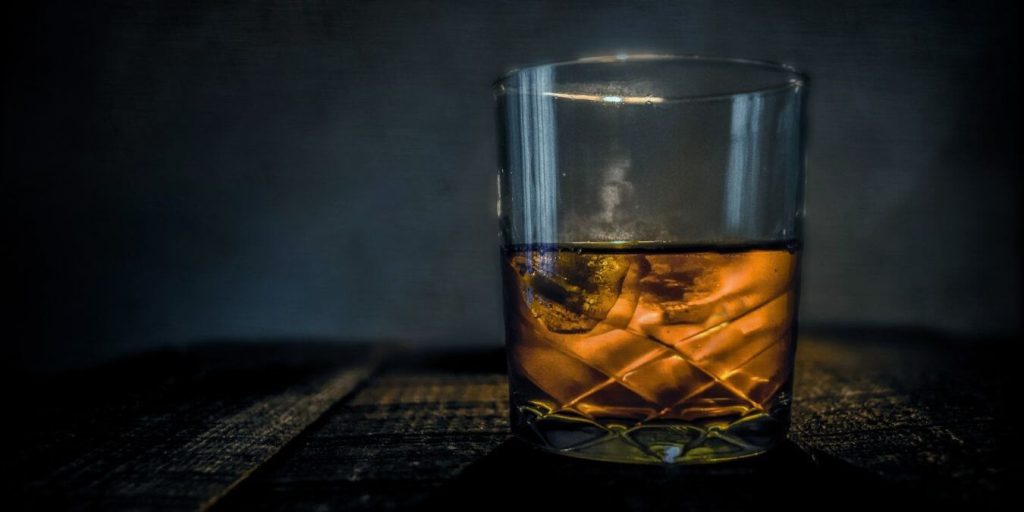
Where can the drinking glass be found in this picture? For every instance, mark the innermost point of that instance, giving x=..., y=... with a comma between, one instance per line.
x=650, y=217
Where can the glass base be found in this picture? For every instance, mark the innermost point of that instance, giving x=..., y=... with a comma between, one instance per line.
x=661, y=442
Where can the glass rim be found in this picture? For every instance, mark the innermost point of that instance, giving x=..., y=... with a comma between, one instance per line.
x=792, y=79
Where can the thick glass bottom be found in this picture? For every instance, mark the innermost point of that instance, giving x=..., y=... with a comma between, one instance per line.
x=660, y=442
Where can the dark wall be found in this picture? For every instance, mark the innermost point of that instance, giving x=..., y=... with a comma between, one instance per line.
x=178, y=171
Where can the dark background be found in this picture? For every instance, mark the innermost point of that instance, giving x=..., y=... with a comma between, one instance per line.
x=180, y=171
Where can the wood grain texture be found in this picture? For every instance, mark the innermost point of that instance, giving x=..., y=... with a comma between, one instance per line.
x=893, y=420
x=395, y=442
x=189, y=437
x=874, y=421
x=936, y=419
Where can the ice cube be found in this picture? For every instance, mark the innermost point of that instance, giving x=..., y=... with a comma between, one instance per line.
x=679, y=276
x=728, y=346
x=716, y=289
x=563, y=377
x=570, y=292
x=666, y=379
x=614, y=352
x=762, y=376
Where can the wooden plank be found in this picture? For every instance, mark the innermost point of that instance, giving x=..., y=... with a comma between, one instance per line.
x=404, y=435
x=189, y=437
x=438, y=441
x=933, y=416
x=908, y=423
x=243, y=427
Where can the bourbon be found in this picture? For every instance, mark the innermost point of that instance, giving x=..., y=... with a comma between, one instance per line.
x=651, y=352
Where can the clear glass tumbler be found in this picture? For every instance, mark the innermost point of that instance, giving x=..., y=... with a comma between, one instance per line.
x=650, y=214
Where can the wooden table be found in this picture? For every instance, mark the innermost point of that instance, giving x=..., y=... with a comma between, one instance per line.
x=880, y=419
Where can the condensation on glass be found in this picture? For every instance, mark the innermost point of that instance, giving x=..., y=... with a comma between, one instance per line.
x=650, y=216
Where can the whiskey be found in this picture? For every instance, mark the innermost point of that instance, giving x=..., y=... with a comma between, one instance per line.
x=651, y=353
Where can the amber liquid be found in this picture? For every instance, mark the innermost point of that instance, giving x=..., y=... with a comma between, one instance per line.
x=653, y=353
